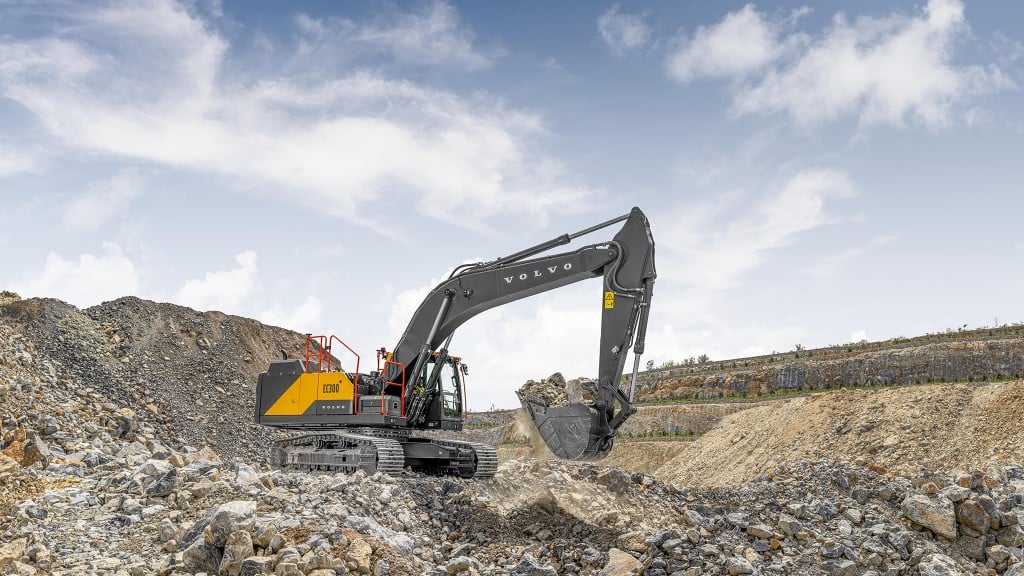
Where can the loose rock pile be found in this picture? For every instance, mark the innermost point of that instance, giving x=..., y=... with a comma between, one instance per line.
x=556, y=391
x=190, y=374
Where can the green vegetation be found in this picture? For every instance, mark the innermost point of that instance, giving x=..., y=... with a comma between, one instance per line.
x=691, y=361
x=661, y=435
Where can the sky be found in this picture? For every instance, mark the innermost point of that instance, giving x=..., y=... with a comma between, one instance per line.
x=814, y=173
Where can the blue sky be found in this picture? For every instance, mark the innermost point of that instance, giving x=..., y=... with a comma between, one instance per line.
x=814, y=173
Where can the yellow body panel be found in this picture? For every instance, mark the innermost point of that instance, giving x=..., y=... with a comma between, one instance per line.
x=332, y=386
x=308, y=388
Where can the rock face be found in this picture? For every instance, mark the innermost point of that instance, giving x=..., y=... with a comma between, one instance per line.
x=985, y=354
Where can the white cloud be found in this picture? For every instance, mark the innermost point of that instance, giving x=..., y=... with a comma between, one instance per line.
x=719, y=241
x=1005, y=49
x=104, y=200
x=743, y=42
x=623, y=33
x=224, y=290
x=152, y=82
x=16, y=160
x=859, y=336
x=306, y=318
x=434, y=35
x=407, y=301
x=978, y=116
x=706, y=248
x=84, y=282
x=836, y=262
x=894, y=69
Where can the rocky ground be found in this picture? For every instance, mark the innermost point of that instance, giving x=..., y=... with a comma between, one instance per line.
x=97, y=482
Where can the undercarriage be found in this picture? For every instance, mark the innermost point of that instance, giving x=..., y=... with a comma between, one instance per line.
x=383, y=450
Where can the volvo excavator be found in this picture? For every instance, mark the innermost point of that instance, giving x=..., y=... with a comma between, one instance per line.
x=355, y=421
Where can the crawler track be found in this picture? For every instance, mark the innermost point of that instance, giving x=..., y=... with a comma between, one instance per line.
x=481, y=459
x=380, y=450
x=339, y=452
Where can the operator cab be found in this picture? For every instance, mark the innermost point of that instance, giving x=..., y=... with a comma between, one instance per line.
x=445, y=410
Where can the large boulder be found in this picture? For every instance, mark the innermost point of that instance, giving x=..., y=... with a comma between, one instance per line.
x=933, y=513
x=938, y=565
x=218, y=523
x=201, y=556
x=228, y=518
x=8, y=465
x=529, y=566
x=237, y=548
x=972, y=515
x=256, y=565
x=359, y=553
x=620, y=564
x=12, y=551
x=36, y=451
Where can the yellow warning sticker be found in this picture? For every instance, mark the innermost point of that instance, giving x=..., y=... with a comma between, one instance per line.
x=609, y=300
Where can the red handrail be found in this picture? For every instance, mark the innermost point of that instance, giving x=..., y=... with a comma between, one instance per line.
x=400, y=384
x=382, y=354
x=465, y=398
x=324, y=353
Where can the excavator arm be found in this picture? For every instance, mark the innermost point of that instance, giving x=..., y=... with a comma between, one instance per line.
x=572, y=430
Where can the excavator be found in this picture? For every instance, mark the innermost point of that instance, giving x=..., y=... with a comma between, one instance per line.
x=353, y=421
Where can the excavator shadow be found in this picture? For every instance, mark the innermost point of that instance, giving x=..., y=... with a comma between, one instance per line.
x=541, y=522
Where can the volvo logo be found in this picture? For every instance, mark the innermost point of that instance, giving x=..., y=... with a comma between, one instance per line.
x=538, y=273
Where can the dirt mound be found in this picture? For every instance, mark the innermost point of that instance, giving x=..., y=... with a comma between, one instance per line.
x=193, y=373
x=903, y=430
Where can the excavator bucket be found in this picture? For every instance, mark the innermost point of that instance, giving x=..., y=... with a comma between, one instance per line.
x=573, y=431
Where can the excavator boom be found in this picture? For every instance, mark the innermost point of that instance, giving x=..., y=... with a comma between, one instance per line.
x=626, y=263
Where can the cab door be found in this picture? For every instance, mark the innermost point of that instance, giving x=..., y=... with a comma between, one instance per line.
x=451, y=391
x=445, y=409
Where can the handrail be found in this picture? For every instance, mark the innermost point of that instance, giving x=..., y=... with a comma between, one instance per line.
x=323, y=352
x=382, y=354
x=400, y=384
